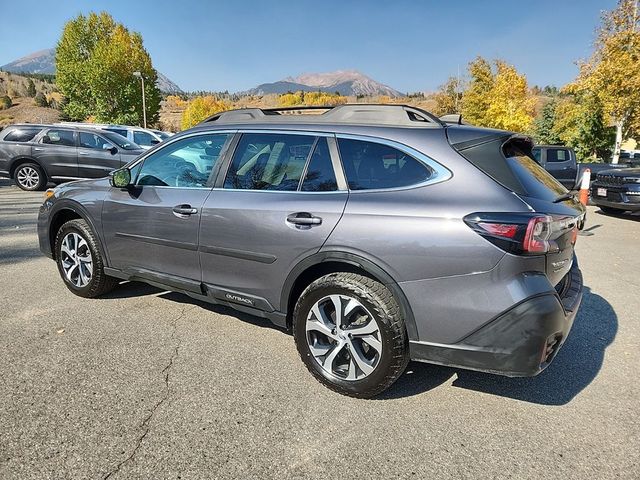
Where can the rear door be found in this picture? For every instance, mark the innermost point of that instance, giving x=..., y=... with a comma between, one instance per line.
x=96, y=155
x=282, y=195
x=56, y=151
x=561, y=164
x=151, y=228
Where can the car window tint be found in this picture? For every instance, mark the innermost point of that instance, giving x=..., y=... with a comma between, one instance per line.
x=144, y=139
x=320, y=176
x=557, y=155
x=186, y=163
x=119, y=131
x=536, y=154
x=269, y=161
x=21, y=134
x=370, y=165
x=59, y=137
x=91, y=140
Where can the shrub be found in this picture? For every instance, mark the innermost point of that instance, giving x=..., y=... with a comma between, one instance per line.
x=5, y=102
x=200, y=108
x=31, y=89
x=41, y=100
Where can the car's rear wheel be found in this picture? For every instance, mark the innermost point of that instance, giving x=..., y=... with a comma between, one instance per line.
x=350, y=334
x=80, y=262
x=30, y=177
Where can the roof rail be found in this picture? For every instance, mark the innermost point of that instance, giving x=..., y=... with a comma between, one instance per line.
x=357, y=114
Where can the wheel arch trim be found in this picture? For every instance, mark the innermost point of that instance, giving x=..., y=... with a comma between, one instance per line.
x=353, y=260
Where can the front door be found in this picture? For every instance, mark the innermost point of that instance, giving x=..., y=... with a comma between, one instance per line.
x=56, y=151
x=96, y=155
x=278, y=204
x=151, y=228
x=560, y=164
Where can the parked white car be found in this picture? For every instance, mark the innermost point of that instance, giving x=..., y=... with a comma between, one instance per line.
x=144, y=137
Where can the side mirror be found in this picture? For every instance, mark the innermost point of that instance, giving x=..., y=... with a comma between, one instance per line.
x=113, y=150
x=120, y=178
x=155, y=141
x=46, y=139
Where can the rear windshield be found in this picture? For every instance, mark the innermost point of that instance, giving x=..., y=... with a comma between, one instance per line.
x=511, y=164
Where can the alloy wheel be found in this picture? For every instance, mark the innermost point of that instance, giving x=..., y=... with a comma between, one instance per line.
x=76, y=260
x=344, y=337
x=28, y=177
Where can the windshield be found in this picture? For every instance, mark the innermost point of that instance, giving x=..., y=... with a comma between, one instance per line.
x=120, y=141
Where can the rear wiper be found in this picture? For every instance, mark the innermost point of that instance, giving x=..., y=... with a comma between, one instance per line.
x=563, y=197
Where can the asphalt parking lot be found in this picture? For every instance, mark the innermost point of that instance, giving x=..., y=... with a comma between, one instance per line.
x=150, y=384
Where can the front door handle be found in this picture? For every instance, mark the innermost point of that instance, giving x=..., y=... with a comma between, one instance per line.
x=184, y=210
x=38, y=149
x=303, y=218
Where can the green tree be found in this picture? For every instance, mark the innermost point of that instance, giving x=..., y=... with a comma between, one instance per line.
x=41, y=100
x=543, y=128
x=31, y=88
x=95, y=61
x=5, y=102
x=449, y=97
x=475, y=100
x=202, y=107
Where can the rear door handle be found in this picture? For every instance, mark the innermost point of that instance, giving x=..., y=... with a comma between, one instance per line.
x=38, y=149
x=184, y=210
x=303, y=218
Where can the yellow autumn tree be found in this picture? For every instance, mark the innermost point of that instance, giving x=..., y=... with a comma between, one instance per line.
x=475, y=100
x=510, y=106
x=611, y=72
x=448, y=98
x=310, y=99
x=202, y=107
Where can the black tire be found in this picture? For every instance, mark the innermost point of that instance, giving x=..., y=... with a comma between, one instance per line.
x=99, y=282
x=30, y=177
x=381, y=304
x=611, y=210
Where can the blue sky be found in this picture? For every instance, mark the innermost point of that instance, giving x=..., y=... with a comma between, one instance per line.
x=409, y=45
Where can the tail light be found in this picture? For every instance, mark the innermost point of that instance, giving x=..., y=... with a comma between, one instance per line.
x=521, y=233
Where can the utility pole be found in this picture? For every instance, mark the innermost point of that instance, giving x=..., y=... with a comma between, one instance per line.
x=144, y=105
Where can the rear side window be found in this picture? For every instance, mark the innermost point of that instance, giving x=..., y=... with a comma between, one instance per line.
x=59, y=137
x=370, y=165
x=558, y=155
x=119, y=131
x=22, y=134
x=269, y=161
x=320, y=176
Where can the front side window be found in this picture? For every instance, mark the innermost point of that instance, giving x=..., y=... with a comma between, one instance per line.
x=370, y=165
x=92, y=140
x=143, y=138
x=269, y=161
x=22, y=134
x=186, y=163
x=59, y=137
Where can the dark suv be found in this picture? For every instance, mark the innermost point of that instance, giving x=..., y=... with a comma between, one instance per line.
x=34, y=155
x=379, y=234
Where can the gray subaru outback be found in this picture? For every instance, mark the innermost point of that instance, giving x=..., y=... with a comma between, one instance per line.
x=378, y=233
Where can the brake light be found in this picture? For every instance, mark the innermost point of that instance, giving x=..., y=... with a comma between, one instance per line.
x=521, y=233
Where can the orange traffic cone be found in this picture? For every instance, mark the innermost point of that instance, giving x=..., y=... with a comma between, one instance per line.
x=584, y=186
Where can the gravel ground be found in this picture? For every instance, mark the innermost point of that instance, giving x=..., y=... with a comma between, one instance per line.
x=150, y=384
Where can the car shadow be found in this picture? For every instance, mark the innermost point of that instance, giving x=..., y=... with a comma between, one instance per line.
x=633, y=216
x=577, y=364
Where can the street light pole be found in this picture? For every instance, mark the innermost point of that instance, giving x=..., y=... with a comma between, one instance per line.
x=144, y=105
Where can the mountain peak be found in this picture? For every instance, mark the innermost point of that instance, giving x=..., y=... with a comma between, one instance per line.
x=44, y=62
x=346, y=82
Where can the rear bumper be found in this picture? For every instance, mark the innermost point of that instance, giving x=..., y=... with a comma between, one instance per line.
x=520, y=342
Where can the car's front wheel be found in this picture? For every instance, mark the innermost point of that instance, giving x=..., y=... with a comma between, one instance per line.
x=350, y=334
x=80, y=262
x=30, y=177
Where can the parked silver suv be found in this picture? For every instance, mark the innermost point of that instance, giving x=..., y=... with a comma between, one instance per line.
x=379, y=234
